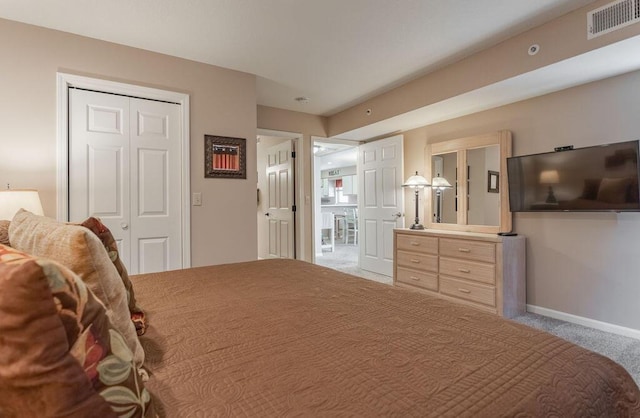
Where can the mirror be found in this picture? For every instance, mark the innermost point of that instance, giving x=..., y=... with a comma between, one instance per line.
x=469, y=184
x=483, y=203
x=444, y=199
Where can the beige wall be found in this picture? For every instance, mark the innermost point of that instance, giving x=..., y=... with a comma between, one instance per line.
x=223, y=102
x=307, y=125
x=586, y=264
x=562, y=38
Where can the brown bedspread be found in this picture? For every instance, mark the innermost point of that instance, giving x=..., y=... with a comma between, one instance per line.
x=288, y=338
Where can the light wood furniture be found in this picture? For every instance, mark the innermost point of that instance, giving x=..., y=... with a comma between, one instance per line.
x=486, y=271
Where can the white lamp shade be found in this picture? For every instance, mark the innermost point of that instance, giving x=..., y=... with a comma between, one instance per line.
x=440, y=183
x=11, y=201
x=549, y=177
x=416, y=181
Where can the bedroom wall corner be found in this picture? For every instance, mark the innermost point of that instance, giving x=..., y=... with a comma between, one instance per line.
x=222, y=102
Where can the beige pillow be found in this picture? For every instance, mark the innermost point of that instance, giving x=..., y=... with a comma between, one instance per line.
x=78, y=249
x=104, y=234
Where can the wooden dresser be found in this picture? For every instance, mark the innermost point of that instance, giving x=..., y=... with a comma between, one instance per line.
x=486, y=271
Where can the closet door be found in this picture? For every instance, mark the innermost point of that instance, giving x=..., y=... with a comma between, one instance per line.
x=124, y=168
x=155, y=186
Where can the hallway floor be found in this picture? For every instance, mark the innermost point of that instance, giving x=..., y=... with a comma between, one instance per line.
x=345, y=259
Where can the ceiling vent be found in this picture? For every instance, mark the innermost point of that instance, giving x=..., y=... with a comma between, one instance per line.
x=612, y=16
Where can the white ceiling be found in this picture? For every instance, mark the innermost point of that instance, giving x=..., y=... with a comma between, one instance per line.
x=335, y=52
x=609, y=61
x=344, y=156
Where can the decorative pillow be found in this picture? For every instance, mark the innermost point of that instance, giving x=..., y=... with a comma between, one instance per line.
x=102, y=232
x=4, y=232
x=81, y=251
x=38, y=375
x=73, y=324
x=612, y=190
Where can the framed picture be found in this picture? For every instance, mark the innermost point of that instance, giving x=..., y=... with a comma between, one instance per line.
x=493, y=182
x=225, y=157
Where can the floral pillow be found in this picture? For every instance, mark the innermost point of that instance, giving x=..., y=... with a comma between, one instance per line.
x=79, y=250
x=102, y=232
x=77, y=327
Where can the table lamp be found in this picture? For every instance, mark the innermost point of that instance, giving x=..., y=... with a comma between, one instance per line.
x=12, y=200
x=439, y=183
x=416, y=182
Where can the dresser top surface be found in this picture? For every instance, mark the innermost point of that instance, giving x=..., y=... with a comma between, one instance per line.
x=458, y=234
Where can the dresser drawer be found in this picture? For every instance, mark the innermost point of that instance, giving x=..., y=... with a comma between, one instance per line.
x=427, y=245
x=418, y=261
x=471, y=270
x=470, y=250
x=464, y=289
x=418, y=278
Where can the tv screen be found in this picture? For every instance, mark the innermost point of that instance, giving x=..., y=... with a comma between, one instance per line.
x=600, y=178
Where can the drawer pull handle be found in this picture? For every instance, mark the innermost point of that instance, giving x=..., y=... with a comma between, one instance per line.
x=464, y=270
x=464, y=290
x=414, y=278
x=415, y=244
x=464, y=250
x=415, y=260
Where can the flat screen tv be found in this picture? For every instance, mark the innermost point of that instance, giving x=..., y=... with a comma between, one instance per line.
x=599, y=178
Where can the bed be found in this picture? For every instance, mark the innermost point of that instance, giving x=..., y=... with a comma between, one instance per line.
x=288, y=338
x=79, y=338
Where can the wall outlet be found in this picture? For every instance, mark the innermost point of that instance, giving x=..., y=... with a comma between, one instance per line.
x=197, y=199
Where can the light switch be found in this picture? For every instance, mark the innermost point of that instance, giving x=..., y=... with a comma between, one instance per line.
x=197, y=199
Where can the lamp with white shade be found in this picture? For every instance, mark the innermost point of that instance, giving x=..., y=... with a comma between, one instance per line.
x=12, y=200
x=416, y=182
x=440, y=184
x=550, y=177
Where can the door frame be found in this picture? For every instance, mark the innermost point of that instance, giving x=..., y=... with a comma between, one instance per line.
x=316, y=191
x=66, y=81
x=299, y=191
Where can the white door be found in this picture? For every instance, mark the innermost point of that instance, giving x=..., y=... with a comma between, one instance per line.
x=280, y=195
x=125, y=168
x=380, y=202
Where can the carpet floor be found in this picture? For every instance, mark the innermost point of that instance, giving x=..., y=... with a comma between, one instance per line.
x=623, y=350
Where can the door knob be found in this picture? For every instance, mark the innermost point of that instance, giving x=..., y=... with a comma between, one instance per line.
x=124, y=225
x=266, y=214
x=397, y=215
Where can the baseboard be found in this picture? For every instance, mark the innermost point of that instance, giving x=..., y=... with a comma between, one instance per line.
x=591, y=323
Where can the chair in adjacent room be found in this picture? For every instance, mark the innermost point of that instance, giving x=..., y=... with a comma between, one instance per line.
x=328, y=224
x=351, y=226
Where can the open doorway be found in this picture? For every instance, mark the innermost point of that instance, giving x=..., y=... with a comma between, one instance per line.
x=337, y=234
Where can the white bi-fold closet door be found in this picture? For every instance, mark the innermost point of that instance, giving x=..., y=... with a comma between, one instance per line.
x=125, y=168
